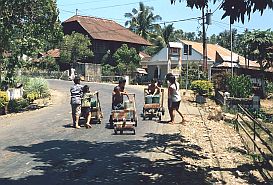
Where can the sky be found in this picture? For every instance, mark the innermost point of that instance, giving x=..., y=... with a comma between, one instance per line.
x=115, y=10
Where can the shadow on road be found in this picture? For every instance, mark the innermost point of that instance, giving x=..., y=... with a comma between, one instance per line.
x=83, y=162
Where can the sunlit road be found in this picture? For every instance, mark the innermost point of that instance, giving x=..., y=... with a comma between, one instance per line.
x=39, y=148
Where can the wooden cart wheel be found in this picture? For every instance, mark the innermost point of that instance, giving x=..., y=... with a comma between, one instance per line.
x=159, y=116
x=163, y=111
x=111, y=121
x=144, y=115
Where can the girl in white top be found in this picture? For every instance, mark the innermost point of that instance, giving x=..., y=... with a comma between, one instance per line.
x=174, y=99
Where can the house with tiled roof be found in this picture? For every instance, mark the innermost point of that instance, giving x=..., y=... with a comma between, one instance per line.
x=106, y=35
x=218, y=58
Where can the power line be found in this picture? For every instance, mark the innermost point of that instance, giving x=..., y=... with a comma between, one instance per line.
x=67, y=11
x=86, y=2
x=117, y=5
x=180, y=20
x=241, y=27
x=218, y=6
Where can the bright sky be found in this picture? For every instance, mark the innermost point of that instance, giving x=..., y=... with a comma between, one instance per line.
x=115, y=10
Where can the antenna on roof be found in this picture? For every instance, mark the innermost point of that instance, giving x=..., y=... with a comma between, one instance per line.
x=76, y=11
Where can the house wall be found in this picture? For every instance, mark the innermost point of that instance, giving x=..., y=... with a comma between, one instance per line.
x=196, y=56
x=151, y=71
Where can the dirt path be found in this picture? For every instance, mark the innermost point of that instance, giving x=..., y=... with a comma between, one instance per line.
x=224, y=157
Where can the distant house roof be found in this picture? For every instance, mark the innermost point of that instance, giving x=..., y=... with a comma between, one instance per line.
x=104, y=29
x=214, y=49
x=55, y=53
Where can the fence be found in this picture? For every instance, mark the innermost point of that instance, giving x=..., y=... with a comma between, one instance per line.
x=259, y=136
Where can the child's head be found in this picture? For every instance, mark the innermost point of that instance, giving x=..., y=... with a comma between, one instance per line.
x=153, y=81
x=77, y=80
x=172, y=79
x=85, y=89
x=117, y=90
x=122, y=82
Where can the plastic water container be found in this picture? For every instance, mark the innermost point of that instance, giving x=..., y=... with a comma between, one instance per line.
x=156, y=99
x=148, y=99
x=128, y=105
x=93, y=102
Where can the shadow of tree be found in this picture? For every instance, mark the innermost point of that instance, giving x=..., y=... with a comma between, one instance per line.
x=83, y=162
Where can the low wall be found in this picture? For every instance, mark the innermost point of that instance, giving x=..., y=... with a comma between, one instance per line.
x=232, y=102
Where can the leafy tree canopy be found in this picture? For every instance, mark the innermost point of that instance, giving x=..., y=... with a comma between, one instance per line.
x=142, y=21
x=127, y=60
x=235, y=9
x=75, y=47
x=259, y=45
x=28, y=25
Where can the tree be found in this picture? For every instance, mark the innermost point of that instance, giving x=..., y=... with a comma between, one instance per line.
x=259, y=45
x=127, y=60
x=236, y=10
x=75, y=47
x=25, y=28
x=160, y=39
x=142, y=21
x=167, y=32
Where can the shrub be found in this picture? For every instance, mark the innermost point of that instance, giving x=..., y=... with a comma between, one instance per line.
x=202, y=87
x=240, y=86
x=37, y=86
x=4, y=100
x=17, y=105
x=220, y=81
x=32, y=96
x=269, y=87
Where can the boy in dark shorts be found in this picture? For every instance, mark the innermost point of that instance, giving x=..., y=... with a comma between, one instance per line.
x=117, y=99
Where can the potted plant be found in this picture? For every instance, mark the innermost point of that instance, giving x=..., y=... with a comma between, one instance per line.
x=202, y=88
x=4, y=100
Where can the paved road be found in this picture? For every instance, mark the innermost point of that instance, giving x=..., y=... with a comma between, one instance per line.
x=39, y=148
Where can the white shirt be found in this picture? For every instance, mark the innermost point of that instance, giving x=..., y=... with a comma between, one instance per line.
x=175, y=96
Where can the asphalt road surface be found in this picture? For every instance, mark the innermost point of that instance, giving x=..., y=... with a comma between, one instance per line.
x=39, y=147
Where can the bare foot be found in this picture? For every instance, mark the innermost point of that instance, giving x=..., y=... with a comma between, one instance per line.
x=88, y=126
x=77, y=127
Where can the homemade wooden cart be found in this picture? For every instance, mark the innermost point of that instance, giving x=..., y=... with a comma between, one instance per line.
x=125, y=119
x=153, y=106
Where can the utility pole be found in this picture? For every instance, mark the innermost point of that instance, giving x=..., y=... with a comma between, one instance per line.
x=231, y=48
x=205, y=62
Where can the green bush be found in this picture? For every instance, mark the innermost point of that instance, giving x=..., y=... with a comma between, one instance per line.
x=202, y=87
x=17, y=105
x=269, y=87
x=220, y=81
x=240, y=86
x=32, y=96
x=4, y=100
x=37, y=86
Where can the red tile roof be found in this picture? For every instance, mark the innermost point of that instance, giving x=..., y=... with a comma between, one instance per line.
x=55, y=53
x=213, y=49
x=104, y=29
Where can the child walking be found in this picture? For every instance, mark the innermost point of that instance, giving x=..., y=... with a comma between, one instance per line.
x=76, y=95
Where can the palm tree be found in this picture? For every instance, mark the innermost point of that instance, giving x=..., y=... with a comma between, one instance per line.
x=167, y=33
x=142, y=21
